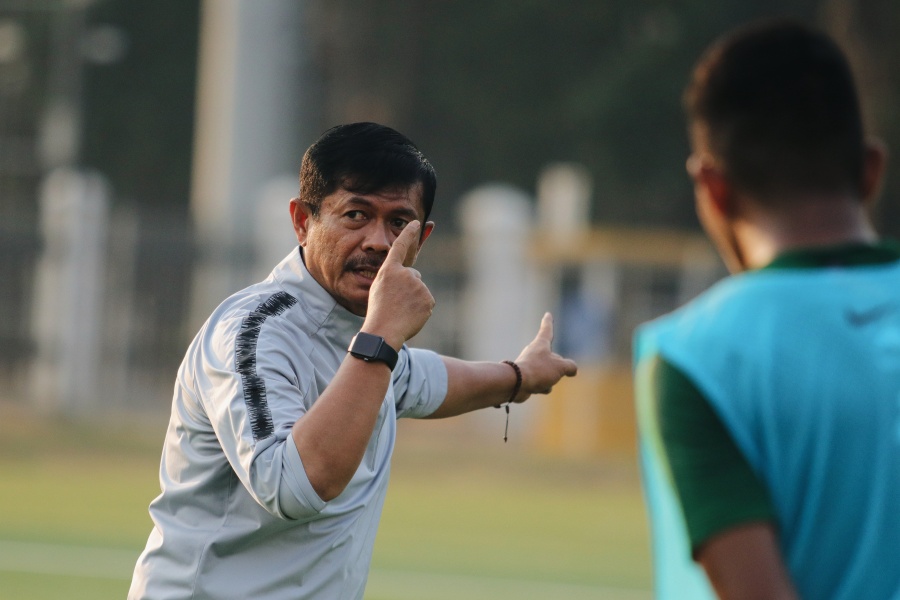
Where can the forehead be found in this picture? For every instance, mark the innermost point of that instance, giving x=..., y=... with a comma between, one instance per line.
x=395, y=199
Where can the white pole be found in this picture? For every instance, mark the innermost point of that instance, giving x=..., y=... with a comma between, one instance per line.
x=499, y=317
x=502, y=303
x=252, y=113
x=564, y=194
x=67, y=318
x=564, y=200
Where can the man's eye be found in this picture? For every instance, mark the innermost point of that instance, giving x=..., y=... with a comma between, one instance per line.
x=399, y=223
x=355, y=215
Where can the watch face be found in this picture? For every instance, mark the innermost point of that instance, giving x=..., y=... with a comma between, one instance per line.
x=366, y=344
x=372, y=347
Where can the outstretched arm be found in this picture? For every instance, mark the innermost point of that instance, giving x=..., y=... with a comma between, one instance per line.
x=475, y=385
x=745, y=563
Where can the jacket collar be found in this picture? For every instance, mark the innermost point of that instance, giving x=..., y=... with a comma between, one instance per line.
x=843, y=255
x=319, y=306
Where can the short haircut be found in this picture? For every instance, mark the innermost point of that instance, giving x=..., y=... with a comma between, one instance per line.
x=364, y=158
x=776, y=106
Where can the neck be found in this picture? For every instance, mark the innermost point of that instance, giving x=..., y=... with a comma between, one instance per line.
x=762, y=233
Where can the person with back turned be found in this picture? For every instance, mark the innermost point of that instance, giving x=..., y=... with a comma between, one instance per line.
x=769, y=407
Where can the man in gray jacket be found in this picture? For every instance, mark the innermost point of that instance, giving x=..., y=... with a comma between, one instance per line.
x=277, y=455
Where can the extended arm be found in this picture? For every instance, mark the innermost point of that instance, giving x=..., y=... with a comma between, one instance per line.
x=475, y=385
x=745, y=563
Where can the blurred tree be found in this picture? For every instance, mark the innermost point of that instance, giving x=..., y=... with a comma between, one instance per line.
x=868, y=30
x=139, y=104
x=490, y=91
x=494, y=91
x=25, y=43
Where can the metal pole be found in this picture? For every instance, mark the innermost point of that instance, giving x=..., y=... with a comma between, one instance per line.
x=252, y=116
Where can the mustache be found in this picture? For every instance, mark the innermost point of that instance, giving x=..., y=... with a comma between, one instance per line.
x=364, y=262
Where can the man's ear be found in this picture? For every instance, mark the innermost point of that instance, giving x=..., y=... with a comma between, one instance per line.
x=711, y=187
x=717, y=207
x=874, y=166
x=427, y=228
x=300, y=217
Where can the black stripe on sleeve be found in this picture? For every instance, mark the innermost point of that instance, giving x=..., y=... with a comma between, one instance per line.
x=245, y=362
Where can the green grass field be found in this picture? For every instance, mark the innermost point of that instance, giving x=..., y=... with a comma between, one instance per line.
x=465, y=518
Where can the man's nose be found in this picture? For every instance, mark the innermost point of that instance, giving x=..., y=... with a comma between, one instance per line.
x=378, y=238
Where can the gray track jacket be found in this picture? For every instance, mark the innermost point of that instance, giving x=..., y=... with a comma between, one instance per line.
x=237, y=516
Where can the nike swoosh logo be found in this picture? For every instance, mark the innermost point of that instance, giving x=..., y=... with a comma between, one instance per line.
x=858, y=318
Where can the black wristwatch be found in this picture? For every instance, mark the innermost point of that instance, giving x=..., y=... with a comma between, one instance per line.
x=373, y=348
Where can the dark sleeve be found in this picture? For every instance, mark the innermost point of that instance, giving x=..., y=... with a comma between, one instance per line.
x=715, y=485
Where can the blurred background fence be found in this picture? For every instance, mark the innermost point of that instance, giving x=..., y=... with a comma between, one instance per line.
x=100, y=313
x=148, y=150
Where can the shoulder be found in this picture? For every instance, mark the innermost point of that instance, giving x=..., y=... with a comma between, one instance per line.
x=260, y=311
x=706, y=316
x=721, y=341
x=731, y=315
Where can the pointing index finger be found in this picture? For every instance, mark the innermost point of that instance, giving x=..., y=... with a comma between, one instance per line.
x=546, y=330
x=403, y=250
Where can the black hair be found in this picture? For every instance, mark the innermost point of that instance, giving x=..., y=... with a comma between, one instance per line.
x=775, y=104
x=364, y=158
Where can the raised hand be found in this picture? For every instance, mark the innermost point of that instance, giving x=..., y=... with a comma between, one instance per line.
x=541, y=367
x=399, y=301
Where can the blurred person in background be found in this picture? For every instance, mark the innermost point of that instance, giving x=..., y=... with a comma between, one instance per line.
x=769, y=407
x=277, y=455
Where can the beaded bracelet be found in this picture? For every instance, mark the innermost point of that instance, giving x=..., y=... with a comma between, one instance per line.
x=512, y=396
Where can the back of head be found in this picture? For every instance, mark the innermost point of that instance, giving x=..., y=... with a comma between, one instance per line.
x=364, y=158
x=776, y=107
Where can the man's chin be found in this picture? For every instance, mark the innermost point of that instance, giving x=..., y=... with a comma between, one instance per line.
x=358, y=304
x=359, y=311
